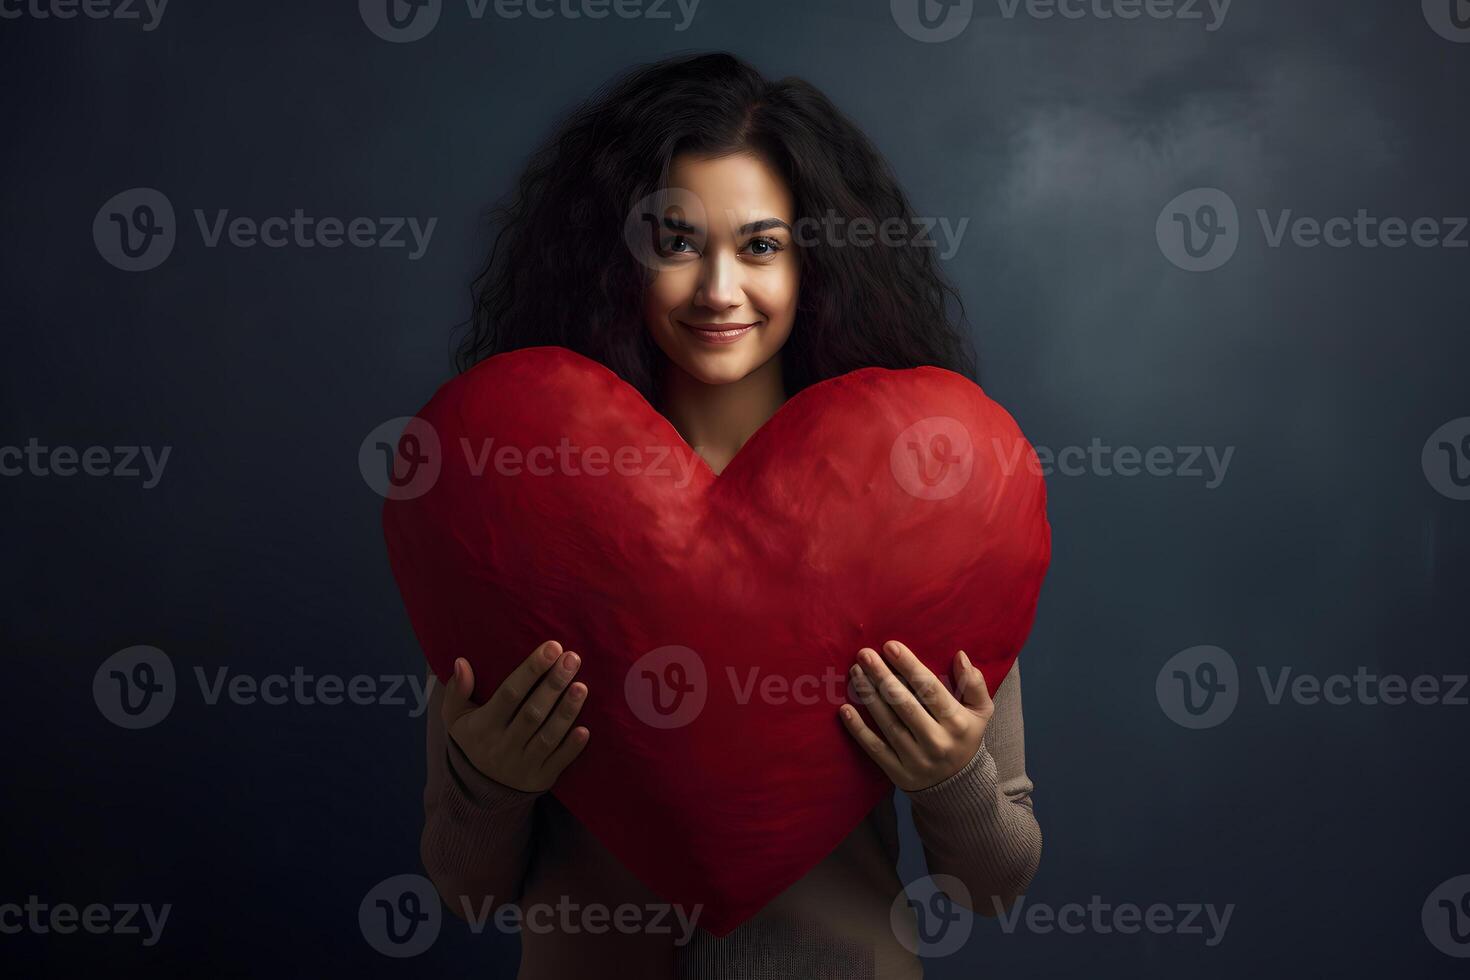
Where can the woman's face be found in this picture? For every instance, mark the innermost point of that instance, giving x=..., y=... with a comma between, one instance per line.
x=734, y=268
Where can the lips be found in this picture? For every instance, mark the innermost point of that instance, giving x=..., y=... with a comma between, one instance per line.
x=719, y=333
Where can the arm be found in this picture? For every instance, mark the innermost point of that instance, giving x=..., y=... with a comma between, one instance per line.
x=476, y=840
x=979, y=825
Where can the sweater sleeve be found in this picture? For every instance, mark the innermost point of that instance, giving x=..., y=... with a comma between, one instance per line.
x=979, y=824
x=476, y=840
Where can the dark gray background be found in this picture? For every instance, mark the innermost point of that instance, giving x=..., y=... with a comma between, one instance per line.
x=1324, y=549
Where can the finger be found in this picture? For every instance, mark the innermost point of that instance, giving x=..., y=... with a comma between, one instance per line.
x=506, y=700
x=970, y=682
x=546, y=740
x=569, y=749
x=929, y=690
x=925, y=729
x=878, y=750
x=457, y=692
x=894, y=730
x=537, y=708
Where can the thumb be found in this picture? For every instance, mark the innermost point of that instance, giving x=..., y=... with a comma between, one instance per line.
x=457, y=691
x=974, y=692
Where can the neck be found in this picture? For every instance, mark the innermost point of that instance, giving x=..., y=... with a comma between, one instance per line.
x=716, y=420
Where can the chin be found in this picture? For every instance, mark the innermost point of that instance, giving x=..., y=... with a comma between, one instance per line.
x=718, y=369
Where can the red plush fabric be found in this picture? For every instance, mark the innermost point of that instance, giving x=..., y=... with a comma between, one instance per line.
x=716, y=615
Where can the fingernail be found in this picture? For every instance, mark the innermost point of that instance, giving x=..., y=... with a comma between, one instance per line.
x=548, y=652
x=572, y=660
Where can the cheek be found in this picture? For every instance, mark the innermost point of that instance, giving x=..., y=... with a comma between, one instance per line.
x=776, y=295
x=669, y=290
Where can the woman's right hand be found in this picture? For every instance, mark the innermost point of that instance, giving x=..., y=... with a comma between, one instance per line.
x=520, y=737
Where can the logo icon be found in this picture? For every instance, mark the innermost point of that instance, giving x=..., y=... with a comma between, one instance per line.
x=931, y=916
x=1450, y=19
x=667, y=687
x=1446, y=917
x=401, y=458
x=1198, y=687
x=135, y=230
x=1446, y=459
x=934, y=458
x=134, y=688
x=400, y=21
x=1199, y=230
x=400, y=916
x=666, y=223
x=932, y=21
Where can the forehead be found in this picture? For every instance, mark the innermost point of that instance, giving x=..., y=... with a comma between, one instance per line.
x=741, y=182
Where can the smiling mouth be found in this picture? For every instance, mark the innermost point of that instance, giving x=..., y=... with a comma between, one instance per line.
x=720, y=333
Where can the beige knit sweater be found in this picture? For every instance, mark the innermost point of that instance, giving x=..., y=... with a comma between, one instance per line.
x=485, y=845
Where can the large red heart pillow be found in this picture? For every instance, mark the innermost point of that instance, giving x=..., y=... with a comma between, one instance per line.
x=538, y=496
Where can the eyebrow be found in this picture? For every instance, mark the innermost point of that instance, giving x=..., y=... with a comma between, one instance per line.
x=749, y=228
x=765, y=224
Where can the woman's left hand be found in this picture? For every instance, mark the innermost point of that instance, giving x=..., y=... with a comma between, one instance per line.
x=928, y=734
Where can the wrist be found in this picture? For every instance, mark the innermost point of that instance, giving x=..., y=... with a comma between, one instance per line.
x=479, y=788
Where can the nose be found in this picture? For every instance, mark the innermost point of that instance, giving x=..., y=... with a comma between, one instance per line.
x=719, y=282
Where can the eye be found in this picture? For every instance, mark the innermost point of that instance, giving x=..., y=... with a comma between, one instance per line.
x=678, y=245
x=764, y=247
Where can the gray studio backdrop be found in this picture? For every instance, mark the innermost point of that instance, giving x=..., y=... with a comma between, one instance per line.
x=1215, y=261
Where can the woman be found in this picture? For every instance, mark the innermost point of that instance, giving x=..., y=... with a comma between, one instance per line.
x=744, y=292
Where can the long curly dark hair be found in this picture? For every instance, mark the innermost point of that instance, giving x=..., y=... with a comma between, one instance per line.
x=559, y=271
